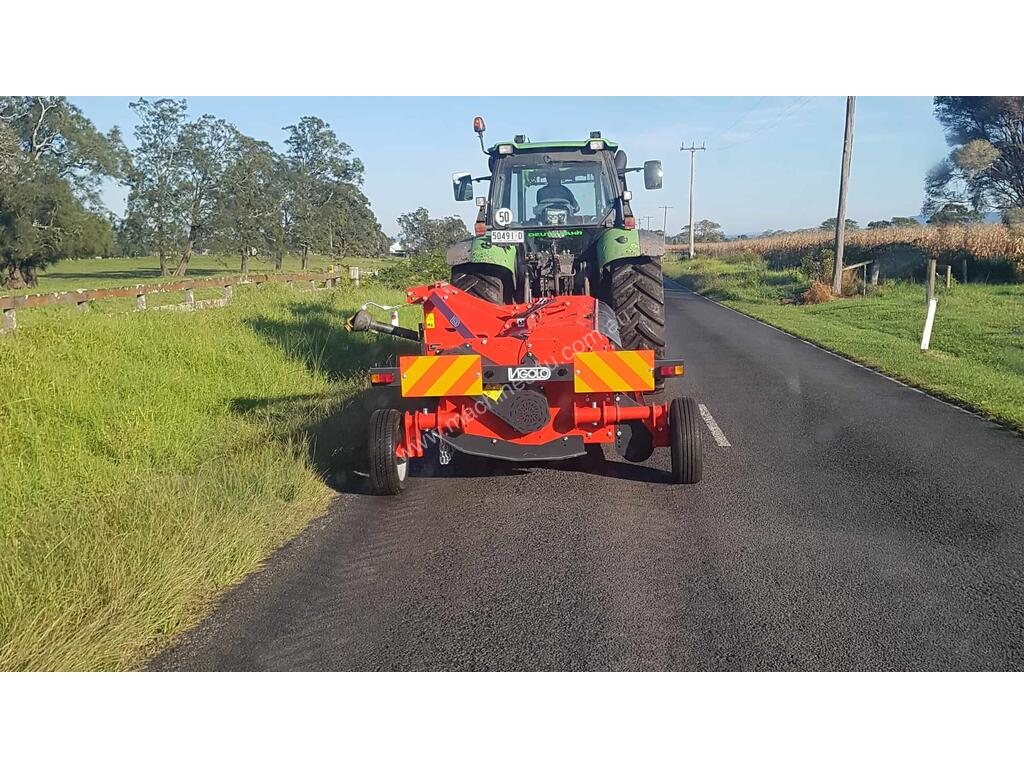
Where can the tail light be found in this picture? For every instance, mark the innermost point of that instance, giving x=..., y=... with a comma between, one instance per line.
x=629, y=222
x=670, y=370
x=480, y=228
x=382, y=379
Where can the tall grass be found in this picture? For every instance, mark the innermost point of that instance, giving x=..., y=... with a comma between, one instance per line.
x=991, y=243
x=151, y=459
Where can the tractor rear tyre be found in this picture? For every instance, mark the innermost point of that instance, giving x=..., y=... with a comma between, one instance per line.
x=685, y=442
x=634, y=290
x=484, y=281
x=387, y=470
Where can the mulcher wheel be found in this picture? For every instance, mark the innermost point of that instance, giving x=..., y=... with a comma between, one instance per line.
x=387, y=471
x=634, y=290
x=686, y=446
x=484, y=281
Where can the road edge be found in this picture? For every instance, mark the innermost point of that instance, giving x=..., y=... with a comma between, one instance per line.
x=960, y=405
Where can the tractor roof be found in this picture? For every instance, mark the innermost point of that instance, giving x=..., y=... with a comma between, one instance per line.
x=566, y=145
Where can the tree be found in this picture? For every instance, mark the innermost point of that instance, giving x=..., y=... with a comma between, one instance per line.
x=985, y=167
x=831, y=224
x=905, y=221
x=155, y=210
x=47, y=151
x=955, y=214
x=249, y=202
x=421, y=234
x=60, y=140
x=705, y=231
x=881, y=224
x=204, y=147
x=41, y=221
x=323, y=191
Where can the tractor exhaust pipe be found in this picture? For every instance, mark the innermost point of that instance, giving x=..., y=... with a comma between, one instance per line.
x=362, y=321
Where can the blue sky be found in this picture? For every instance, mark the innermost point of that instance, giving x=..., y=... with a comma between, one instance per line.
x=772, y=162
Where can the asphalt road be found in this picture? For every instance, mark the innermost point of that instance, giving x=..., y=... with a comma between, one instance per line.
x=851, y=524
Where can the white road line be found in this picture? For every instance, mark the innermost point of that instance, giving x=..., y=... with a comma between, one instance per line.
x=838, y=356
x=716, y=431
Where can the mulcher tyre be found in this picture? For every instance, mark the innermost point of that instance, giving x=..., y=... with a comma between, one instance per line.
x=685, y=441
x=634, y=290
x=387, y=471
x=484, y=281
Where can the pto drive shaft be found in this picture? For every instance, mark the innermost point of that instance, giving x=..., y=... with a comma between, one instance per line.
x=361, y=321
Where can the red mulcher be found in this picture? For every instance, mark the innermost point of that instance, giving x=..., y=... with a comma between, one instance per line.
x=524, y=382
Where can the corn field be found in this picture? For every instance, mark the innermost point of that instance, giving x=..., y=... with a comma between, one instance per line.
x=993, y=243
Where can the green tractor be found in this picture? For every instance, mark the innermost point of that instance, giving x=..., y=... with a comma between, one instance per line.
x=557, y=220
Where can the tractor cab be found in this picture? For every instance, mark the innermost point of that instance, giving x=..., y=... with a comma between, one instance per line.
x=557, y=220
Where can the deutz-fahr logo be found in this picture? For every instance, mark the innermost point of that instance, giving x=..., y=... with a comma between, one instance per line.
x=529, y=373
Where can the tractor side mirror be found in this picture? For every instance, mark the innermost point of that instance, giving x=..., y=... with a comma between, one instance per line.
x=652, y=174
x=462, y=186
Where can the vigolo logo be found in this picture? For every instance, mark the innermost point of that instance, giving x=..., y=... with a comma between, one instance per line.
x=529, y=373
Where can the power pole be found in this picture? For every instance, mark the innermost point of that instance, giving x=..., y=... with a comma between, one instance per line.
x=648, y=221
x=664, y=224
x=693, y=149
x=837, y=270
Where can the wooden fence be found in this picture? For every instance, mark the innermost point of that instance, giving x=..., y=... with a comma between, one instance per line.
x=82, y=298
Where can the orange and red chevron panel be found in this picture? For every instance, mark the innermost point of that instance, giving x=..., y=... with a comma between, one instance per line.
x=624, y=371
x=437, y=375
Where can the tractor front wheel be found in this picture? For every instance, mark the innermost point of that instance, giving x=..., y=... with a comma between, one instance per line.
x=489, y=282
x=387, y=470
x=686, y=446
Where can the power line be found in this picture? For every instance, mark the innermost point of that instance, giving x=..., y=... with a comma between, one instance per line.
x=738, y=120
x=795, y=106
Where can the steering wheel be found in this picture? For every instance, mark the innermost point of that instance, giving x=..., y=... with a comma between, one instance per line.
x=555, y=202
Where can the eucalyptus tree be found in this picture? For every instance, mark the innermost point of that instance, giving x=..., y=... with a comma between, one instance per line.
x=53, y=162
x=323, y=185
x=156, y=200
x=249, y=203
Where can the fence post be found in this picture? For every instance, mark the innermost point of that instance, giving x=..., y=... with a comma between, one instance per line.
x=353, y=273
x=949, y=275
x=190, y=297
x=140, y=300
x=10, y=320
x=874, y=272
x=965, y=270
x=926, y=336
x=82, y=301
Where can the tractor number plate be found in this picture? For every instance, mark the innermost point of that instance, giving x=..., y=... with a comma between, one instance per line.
x=507, y=236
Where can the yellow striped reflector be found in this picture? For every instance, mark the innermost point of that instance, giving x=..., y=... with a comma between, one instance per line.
x=436, y=375
x=628, y=371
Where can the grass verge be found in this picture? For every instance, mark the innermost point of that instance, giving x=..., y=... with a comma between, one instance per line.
x=977, y=347
x=152, y=459
x=72, y=274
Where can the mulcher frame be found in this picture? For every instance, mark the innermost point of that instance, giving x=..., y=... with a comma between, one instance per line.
x=524, y=347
